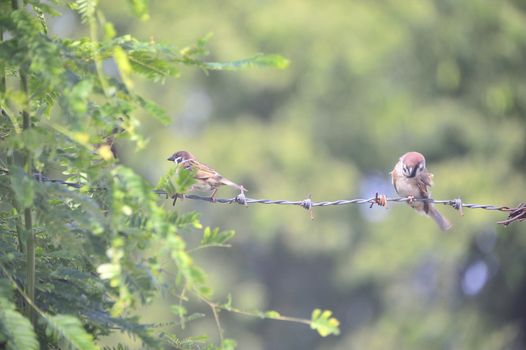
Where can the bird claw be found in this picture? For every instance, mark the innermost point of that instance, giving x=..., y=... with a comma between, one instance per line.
x=176, y=196
x=410, y=199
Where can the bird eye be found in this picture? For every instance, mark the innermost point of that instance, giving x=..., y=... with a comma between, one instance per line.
x=178, y=160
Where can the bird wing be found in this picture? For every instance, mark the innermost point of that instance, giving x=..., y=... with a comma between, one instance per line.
x=393, y=179
x=424, y=180
x=205, y=173
x=202, y=171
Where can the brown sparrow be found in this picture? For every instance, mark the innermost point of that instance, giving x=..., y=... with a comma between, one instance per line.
x=411, y=179
x=207, y=179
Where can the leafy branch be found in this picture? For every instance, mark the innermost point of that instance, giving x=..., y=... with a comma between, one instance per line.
x=89, y=244
x=321, y=321
x=63, y=327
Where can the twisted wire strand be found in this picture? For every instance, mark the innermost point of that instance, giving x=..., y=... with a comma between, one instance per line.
x=516, y=214
x=309, y=203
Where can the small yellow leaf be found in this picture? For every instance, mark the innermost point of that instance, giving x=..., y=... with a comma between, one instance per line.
x=121, y=58
x=81, y=137
x=109, y=30
x=105, y=152
x=126, y=210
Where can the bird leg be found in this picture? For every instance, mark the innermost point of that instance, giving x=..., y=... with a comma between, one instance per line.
x=176, y=196
x=212, y=199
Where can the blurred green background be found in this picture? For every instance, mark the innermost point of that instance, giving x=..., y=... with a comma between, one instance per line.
x=368, y=81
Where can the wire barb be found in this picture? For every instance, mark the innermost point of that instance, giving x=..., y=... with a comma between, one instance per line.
x=241, y=199
x=457, y=204
x=518, y=214
x=307, y=205
x=380, y=200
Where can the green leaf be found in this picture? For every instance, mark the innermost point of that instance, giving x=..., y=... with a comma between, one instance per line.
x=23, y=186
x=16, y=328
x=70, y=330
x=154, y=109
x=125, y=68
x=140, y=8
x=184, y=180
x=228, y=344
x=77, y=96
x=108, y=271
x=215, y=237
x=86, y=8
x=260, y=60
x=188, y=219
x=179, y=310
x=109, y=30
x=198, y=49
x=324, y=323
x=165, y=182
x=272, y=314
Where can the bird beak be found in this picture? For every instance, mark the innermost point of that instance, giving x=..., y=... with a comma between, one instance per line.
x=171, y=158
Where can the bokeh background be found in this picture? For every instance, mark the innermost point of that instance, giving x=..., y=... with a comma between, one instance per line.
x=368, y=81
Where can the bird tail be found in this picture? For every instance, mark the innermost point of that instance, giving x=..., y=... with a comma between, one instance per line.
x=441, y=221
x=227, y=182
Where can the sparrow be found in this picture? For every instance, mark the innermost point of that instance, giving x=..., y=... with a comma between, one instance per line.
x=207, y=179
x=411, y=179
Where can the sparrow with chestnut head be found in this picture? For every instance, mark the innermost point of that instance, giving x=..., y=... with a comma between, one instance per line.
x=207, y=179
x=411, y=179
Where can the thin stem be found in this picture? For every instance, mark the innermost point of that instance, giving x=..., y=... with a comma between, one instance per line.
x=181, y=299
x=257, y=314
x=214, y=307
x=28, y=221
x=216, y=318
x=30, y=261
x=2, y=67
x=92, y=23
x=19, y=229
x=26, y=122
x=21, y=292
x=216, y=245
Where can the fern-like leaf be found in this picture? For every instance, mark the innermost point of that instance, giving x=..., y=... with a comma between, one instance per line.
x=70, y=330
x=16, y=328
x=86, y=8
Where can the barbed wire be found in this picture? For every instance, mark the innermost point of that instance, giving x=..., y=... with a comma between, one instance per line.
x=516, y=214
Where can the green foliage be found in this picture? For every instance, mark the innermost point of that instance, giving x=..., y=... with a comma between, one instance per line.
x=213, y=236
x=228, y=344
x=16, y=329
x=86, y=8
x=101, y=241
x=324, y=323
x=69, y=329
x=23, y=186
x=139, y=8
x=171, y=184
x=262, y=61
